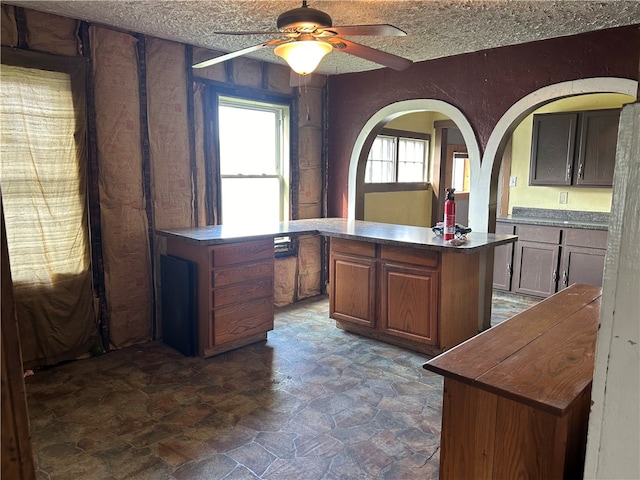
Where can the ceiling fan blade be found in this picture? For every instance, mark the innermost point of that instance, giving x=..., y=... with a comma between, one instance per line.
x=244, y=32
x=378, y=56
x=355, y=30
x=229, y=56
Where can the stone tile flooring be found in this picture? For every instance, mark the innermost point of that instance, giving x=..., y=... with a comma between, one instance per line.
x=313, y=402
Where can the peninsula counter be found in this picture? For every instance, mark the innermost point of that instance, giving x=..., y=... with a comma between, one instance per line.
x=399, y=284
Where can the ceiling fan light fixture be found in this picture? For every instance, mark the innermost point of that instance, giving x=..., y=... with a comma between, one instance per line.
x=303, y=56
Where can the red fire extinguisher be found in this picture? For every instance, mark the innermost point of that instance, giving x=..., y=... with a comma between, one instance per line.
x=449, y=215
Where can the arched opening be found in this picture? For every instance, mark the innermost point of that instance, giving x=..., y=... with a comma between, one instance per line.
x=483, y=197
x=375, y=125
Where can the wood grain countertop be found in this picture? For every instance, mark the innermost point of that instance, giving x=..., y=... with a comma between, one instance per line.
x=543, y=357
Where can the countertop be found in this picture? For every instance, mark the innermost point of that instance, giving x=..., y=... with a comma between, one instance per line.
x=383, y=233
x=558, y=218
x=542, y=357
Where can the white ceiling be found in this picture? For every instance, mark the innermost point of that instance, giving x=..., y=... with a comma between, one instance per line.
x=435, y=28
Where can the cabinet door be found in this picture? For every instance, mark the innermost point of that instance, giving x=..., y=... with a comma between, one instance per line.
x=503, y=260
x=597, y=150
x=409, y=302
x=582, y=265
x=536, y=268
x=352, y=288
x=552, y=148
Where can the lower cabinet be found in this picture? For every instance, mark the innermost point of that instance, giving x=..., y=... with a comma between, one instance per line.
x=409, y=296
x=234, y=292
x=419, y=299
x=583, y=255
x=548, y=259
x=536, y=260
x=503, y=260
x=353, y=281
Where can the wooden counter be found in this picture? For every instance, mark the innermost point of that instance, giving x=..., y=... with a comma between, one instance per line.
x=517, y=397
x=418, y=291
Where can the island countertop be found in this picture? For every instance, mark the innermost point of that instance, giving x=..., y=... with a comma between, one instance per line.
x=382, y=233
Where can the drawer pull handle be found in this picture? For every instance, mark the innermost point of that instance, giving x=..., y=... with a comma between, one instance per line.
x=565, y=279
x=509, y=271
x=554, y=276
x=580, y=172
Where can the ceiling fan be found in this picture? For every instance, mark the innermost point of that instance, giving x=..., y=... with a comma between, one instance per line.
x=309, y=35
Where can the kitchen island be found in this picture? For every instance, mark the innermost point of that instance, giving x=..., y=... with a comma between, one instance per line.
x=399, y=284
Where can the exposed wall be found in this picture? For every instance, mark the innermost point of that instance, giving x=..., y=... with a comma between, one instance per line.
x=483, y=85
x=150, y=137
x=579, y=198
x=404, y=208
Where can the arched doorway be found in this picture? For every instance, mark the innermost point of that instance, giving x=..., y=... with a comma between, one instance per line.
x=391, y=112
x=484, y=181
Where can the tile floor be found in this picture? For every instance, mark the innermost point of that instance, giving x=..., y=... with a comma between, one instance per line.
x=313, y=402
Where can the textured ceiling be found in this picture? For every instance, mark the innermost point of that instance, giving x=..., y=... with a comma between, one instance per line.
x=435, y=28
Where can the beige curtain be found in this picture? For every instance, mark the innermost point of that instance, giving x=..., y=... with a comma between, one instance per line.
x=42, y=175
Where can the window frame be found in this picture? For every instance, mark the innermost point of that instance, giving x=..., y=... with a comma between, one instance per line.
x=283, y=246
x=399, y=135
x=282, y=147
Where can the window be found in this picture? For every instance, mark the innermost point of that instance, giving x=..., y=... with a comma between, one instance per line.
x=254, y=161
x=42, y=173
x=398, y=157
x=460, y=172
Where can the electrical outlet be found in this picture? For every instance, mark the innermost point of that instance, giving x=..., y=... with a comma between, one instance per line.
x=564, y=198
x=512, y=181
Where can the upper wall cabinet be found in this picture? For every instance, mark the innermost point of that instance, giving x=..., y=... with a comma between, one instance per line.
x=574, y=148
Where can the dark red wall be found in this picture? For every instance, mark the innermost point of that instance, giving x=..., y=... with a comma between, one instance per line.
x=483, y=85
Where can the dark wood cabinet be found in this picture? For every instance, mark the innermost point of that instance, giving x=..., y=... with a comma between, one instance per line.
x=574, y=148
x=536, y=260
x=553, y=148
x=536, y=270
x=548, y=259
x=503, y=260
x=583, y=255
x=597, y=148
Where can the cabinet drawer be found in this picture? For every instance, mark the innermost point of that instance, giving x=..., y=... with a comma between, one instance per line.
x=579, y=237
x=242, y=292
x=535, y=233
x=505, y=228
x=354, y=247
x=241, y=252
x=427, y=258
x=241, y=321
x=221, y=277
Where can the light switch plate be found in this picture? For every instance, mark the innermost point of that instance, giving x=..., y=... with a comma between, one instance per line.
x=564, y=198
x=513, y=181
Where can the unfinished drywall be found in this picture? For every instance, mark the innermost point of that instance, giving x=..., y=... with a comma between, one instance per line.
x=166, y=81
x=125, y=238
x=297, y=277
x=404, y=207
x=181, y=186
x=8, y=27
x=52, y=34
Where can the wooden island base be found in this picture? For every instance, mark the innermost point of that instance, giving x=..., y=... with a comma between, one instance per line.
x=517, y=397
x=422, y=300
x=398, y=284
